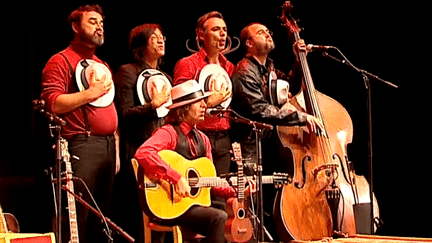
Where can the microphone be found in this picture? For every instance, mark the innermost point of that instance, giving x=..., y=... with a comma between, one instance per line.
x=311, y=47
x=214, y=111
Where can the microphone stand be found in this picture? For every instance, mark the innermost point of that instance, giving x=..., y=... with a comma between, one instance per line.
x=55, y=124
x=258, y=127
x=366, y=78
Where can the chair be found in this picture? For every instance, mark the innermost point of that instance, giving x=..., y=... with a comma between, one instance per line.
x=149, y=226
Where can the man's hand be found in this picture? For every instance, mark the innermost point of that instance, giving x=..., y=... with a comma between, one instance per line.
x=219, y=95
x=251, y=188
x=98, y=87
x=314, y=124
x=160, y=98
x=298, y=47
x=182, y=188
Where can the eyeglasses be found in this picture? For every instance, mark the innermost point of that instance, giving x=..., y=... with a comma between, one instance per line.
x=263, y=32
x=154, y=38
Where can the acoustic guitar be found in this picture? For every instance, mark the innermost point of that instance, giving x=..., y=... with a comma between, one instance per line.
x=163, y=203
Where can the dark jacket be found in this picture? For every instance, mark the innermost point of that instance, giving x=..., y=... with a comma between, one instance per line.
x=251, y=100
x=136, y=122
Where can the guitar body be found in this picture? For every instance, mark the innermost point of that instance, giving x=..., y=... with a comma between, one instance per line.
x=8, y=223
x=161, y=200
x=238, y=225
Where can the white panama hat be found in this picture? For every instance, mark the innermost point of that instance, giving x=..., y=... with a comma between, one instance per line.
x=82, y=75
x=145, y=82
x=187, y=93
x=221, y=77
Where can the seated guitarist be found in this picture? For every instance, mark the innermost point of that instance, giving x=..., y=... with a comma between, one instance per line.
x=181, y=136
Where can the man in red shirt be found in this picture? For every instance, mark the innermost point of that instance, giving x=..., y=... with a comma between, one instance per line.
x=187, y=110
x=211, y=32
x=89, y=130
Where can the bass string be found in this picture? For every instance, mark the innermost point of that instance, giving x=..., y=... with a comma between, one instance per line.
x=310, y=89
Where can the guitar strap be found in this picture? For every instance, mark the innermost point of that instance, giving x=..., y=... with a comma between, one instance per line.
x=83, y=110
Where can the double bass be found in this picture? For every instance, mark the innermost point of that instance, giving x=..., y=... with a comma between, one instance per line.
x=320, y=162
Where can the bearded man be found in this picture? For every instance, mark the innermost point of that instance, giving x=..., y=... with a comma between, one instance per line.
x=91, y=125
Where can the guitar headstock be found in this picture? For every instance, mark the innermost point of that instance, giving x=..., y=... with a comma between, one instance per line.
x=237, y=153
x=64, y=150
x=280, y=179
x=288, y=21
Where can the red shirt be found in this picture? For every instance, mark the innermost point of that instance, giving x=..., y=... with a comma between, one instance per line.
x=165, y=138
x=190, y=68
x=57, y=79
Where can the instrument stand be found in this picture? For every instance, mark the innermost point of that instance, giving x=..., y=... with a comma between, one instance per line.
x=366, y=75
x=258, y=127
x=111, y=224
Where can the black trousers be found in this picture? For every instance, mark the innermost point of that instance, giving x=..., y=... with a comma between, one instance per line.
x=96, y=166
x=207, y=221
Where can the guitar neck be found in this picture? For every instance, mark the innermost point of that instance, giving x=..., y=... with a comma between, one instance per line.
x=217, y=181
x=73, y=223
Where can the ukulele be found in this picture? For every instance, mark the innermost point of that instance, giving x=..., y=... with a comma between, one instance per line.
x=238, y=227
x=73, y=225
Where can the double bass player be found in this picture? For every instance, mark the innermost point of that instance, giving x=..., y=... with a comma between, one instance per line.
x=251, y=99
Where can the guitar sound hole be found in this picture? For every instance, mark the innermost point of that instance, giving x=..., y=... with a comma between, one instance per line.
x=192, y=174
x=241, y=213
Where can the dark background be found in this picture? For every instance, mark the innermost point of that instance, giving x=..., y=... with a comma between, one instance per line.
x=382, y=37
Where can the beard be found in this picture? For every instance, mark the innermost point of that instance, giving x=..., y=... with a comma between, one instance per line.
x=93, y=39
x=266, y=47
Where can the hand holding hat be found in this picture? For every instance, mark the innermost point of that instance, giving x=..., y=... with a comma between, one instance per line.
x=215, y=79
x=154, y=87
x=160, y=97
x=96, y=79
x=219, y=95
x=98, y=84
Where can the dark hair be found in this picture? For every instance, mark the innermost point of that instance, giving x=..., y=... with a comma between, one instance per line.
x=138, y=39
x=205, y=17
x=76, y=15
x=176, y=115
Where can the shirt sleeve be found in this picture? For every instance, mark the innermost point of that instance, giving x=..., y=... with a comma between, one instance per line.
x=55, y=81
x=183, y=71
x=147, y=155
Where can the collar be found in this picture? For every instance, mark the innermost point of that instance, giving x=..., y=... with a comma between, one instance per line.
x=262, y=68
x=82, y=49
x=186, y=127
x=203, y=56
x=143, y=65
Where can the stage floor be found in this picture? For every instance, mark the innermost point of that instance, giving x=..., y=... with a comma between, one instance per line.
x=369, y=239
